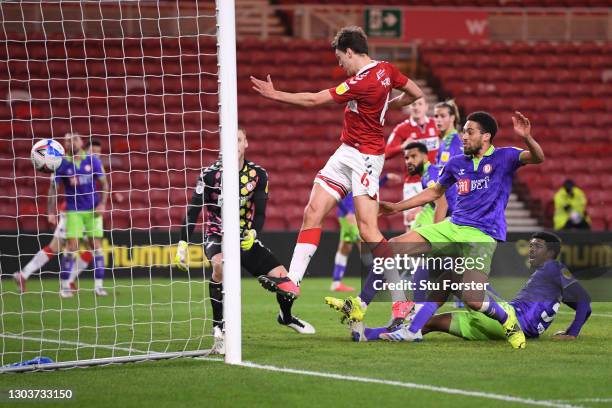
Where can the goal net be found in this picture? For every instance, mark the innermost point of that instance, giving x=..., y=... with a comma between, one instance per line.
x=142, y=79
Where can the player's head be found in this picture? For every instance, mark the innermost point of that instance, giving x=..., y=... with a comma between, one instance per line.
x=446, y=115
x=418, y=109
x=73, y=143
x=478, y=132
x=543, y=246
x=350, y=43
x=242, y=142
x=415, y=156
x=94, y=145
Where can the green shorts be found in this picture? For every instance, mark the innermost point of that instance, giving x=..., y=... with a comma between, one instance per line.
x=348, y=232
x=472, y=325
x=423, y=218
x=454, y=240
x=79, y=223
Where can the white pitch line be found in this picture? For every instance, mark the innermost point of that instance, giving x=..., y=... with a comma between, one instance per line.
x=444, y=390
x=426, y=387
x=600, y=400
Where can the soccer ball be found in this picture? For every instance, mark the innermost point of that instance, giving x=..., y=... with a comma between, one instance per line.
x=47, y=155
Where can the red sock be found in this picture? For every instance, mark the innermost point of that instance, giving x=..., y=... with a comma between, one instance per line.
x=86, y=256
x=47, y=250
x=309, y=236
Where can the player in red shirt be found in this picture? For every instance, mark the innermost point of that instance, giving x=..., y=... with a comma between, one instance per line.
x=418, y=128
x=357, y=163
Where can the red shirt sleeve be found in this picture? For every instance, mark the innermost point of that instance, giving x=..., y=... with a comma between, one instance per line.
x=348, y=90
x=397, y=78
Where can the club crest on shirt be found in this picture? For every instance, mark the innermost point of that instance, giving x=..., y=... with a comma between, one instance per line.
x=87, y=167
x=487, y=168
x=566, y=273
x=342, y=88
x=445, y=157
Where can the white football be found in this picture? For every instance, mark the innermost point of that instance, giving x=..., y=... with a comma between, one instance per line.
x=47, y=155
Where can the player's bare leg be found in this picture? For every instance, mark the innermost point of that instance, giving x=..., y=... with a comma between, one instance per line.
x=38, y=261
x=319, y=205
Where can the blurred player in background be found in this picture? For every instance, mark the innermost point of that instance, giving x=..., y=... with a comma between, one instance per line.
x=93, y=147
x=357, y=164
x=446, y=118
x=54, y=247
x=483, y=177
x=349, y=235
x=254, y=256
x=79, y=174
x=536, y=304
x=417, y=128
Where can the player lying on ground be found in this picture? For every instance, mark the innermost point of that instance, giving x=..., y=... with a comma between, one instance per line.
x=536, y=304
x=58, y=241
x=357, y=164
x=417, y=164
x=349, y=235
x=254, y=256
x=483, y=176
x=80, y=173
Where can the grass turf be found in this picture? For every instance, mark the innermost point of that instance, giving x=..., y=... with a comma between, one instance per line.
x=137, y=313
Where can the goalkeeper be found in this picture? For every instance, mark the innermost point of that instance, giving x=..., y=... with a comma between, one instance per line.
x=254, y=256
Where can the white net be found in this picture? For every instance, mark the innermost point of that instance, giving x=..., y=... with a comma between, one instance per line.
x=141, y=78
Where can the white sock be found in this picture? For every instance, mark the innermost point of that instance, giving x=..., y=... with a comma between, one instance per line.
x=299, y=262
x=340, y=259
x=37, y=262
x=77, y=268
x=98, y=283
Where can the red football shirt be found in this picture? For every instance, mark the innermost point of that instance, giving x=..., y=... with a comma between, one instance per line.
x=410, y=130
x=367, y=97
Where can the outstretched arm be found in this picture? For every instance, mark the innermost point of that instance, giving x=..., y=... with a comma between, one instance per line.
x=576, y=297
x=193, y=212
x=426, y=196
x=305, y=99
x=441, y=209
x=522, y=128
x=410, y=93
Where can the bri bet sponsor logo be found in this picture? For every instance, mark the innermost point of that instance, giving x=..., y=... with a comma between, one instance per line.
x=466, y=185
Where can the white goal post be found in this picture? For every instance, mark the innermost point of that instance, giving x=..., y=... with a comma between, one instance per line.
x=157, y=312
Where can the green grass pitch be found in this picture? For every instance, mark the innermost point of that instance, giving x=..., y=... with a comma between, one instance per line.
x=577, y=373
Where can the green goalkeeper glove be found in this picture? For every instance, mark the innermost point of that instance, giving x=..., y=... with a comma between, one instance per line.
x=248, y=238
x=181, y=255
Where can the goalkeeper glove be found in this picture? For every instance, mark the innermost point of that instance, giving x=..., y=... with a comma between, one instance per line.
x=181, y=254
x=248, y=238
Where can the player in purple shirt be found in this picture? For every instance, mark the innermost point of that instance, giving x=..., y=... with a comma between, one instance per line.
x=446, y=117
x=79, y=174
x=483, y=176
x=536, y=304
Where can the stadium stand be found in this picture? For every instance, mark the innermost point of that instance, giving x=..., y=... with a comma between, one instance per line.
x=144, y=88
x=565, y=89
